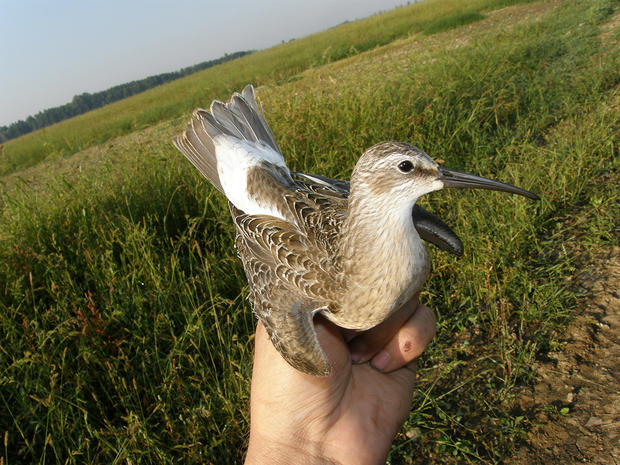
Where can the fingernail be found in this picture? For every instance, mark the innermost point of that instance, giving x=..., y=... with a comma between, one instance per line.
x=381, y=360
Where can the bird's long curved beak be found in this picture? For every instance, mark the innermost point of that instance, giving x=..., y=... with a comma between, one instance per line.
x=456, y=179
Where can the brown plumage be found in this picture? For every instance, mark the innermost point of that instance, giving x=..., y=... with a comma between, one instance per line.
x=312, y=244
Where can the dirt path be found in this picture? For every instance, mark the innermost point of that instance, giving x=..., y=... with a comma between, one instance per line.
x=576, y=403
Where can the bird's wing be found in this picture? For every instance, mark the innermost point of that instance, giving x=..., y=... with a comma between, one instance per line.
x=233, y=147
x=287, y=316
x=289, y=282
x=429, y=227
x=287, y=264
x=433, y=230
x=298, y=259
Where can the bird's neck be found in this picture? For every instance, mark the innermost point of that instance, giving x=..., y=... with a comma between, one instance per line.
x=376, y=233
x=384, y=259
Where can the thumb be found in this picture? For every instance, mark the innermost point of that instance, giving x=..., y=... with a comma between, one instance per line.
x=334, y=345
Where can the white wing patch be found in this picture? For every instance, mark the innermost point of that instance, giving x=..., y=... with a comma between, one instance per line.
x=235, y=157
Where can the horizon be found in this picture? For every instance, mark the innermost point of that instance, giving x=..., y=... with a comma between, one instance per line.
x=125, y=44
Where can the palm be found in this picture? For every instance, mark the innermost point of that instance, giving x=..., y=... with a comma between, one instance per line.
x=360, y=402
x=344, y=410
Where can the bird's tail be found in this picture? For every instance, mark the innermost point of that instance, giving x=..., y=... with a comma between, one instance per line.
x=240, y=118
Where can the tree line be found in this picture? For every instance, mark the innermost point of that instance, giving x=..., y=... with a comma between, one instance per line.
x=86, y=101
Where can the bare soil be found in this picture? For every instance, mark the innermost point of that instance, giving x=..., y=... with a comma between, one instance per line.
x=576, y=402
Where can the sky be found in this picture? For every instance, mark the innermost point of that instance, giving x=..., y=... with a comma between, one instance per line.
x=53, y=50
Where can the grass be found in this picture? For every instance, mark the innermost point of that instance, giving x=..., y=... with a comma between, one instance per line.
x=125, y=335
x=277, y=64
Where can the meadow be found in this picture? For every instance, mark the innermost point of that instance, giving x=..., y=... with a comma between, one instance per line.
x=125, y=335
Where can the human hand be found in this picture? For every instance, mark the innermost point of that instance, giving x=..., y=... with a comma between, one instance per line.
x=352, y=415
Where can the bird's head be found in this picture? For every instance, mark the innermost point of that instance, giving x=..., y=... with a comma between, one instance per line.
x=400, y=173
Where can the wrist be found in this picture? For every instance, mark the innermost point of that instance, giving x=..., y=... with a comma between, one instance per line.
x=262, y=450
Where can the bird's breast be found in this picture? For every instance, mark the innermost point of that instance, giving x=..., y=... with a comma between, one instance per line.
x=383, y=272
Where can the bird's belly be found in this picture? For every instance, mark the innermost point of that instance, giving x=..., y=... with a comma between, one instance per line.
x=373, y=296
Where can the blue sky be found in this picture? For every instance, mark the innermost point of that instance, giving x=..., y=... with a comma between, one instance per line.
x=53, y=50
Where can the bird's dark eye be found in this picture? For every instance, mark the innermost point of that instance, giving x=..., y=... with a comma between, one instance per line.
x=405, y=166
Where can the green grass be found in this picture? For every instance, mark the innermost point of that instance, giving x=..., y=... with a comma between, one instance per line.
x=125, y=336
x=277, y=64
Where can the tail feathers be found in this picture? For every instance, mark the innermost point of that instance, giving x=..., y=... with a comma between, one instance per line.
x=246, y=107
x=232, y=125
x=240, y=118
x=197, y=145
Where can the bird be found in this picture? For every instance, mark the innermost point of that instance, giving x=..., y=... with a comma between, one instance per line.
x=351, y=251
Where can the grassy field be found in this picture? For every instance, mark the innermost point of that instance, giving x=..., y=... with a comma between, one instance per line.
x=272, y=66
x=125, y=336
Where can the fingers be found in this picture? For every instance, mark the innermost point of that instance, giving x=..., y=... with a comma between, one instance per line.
x=367, y=344
x=389, y=346
x=408, y=343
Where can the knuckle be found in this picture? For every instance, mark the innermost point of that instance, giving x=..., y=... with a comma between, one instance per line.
x=429, y=321
x=410, y=346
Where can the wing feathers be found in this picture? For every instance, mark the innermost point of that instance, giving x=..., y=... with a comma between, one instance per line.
x=239, y=119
